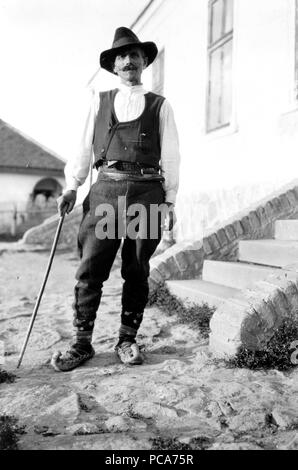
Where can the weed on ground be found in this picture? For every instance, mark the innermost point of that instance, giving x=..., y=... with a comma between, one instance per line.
x=196, y=315
x=279, y=353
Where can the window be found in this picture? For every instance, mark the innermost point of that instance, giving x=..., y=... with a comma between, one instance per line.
x=158, y=73
x=220, y=39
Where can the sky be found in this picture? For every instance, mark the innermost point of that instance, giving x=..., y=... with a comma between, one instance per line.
x=49, y=51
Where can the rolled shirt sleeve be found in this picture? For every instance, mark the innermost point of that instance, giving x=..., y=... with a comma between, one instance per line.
x=170, y=154
x=77, y=167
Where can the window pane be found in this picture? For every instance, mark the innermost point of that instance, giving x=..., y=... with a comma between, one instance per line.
x=229, y=16
x=226, y=111
x=216, y=20
x=214, y=102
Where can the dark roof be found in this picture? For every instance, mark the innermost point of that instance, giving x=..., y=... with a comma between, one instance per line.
x=20, y=153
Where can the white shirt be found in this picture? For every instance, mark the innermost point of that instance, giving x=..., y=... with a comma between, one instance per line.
x=129, y=104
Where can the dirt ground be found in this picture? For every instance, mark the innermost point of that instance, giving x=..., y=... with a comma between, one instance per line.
x=180, y=396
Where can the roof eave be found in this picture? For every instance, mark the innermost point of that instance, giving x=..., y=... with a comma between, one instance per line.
x=32, y=171
x=142, y=13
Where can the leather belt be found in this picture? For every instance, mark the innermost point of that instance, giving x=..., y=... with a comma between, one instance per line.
x=132, y=168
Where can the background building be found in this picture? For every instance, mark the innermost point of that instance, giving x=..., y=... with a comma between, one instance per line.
x=31, y=178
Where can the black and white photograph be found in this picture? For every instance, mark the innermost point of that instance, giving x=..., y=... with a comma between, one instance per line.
x=149, y=228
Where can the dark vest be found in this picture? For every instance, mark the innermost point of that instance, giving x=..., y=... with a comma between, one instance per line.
x=131, y=141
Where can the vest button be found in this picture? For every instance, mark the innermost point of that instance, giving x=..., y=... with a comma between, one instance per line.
x=102, y=150
x=125, y=148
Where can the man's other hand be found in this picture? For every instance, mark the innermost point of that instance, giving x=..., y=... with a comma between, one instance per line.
x=66, y=202
x=170, y=216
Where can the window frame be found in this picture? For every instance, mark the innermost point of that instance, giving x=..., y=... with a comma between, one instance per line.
x=219, y=43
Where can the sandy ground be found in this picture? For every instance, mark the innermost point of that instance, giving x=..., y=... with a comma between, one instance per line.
x=180, y=393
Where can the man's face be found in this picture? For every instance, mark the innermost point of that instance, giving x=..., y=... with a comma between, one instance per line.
x=129, y=65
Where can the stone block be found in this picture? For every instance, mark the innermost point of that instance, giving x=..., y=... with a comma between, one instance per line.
x=269, y=211
x=295, y=191
x=228, y=251
x=181, y=260
x=277, y=207
x=169, y=264
x=156, y=276
x=254, y=221
x=222, y=237
x=192, y=252
x=292, y=198
x=285, y=203
x=165, y=270
x=238, y=228
x=214, y=242
x=166, y=262
x=246, y=225
x=229, y=317
x=230, y=232
x=207, y=247
x=226, y=332
x=262, y=216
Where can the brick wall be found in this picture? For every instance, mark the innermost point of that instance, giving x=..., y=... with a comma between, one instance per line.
x=184, y=260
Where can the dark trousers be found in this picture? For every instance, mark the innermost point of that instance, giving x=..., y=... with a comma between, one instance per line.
x=109, y=209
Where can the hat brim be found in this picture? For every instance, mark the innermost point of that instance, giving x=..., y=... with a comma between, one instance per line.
x=107, y=57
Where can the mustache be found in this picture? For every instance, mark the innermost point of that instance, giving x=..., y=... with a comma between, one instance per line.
x=128, y=67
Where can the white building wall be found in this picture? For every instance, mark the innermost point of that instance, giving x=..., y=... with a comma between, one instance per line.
x=226, y=170
x=16, y=188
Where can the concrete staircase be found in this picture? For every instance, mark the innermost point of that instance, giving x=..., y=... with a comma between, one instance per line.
x=257, y=259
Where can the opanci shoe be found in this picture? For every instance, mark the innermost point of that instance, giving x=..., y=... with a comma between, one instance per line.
x=129, y=353
x=71, y=359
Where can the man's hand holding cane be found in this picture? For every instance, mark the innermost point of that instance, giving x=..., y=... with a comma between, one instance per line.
x=66, y=202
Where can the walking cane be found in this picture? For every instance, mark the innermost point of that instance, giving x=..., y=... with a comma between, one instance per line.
x=61, y=219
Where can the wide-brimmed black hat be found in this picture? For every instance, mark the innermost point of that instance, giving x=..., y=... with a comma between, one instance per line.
x=124, y=37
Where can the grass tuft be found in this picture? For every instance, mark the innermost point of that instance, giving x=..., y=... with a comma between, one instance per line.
x=166, y=443
x=278, y=353
x=9, y=432
x=6, y=377
x=198, y=316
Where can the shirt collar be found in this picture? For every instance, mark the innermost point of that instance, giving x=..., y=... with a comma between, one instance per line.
x=135, y=89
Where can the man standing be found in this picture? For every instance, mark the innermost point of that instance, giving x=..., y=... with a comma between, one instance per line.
x=134, y=138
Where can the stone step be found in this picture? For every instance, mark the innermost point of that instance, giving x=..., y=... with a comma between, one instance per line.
x=286, y=230
x=237, y=275
x=197, y=291
x=278, y=253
